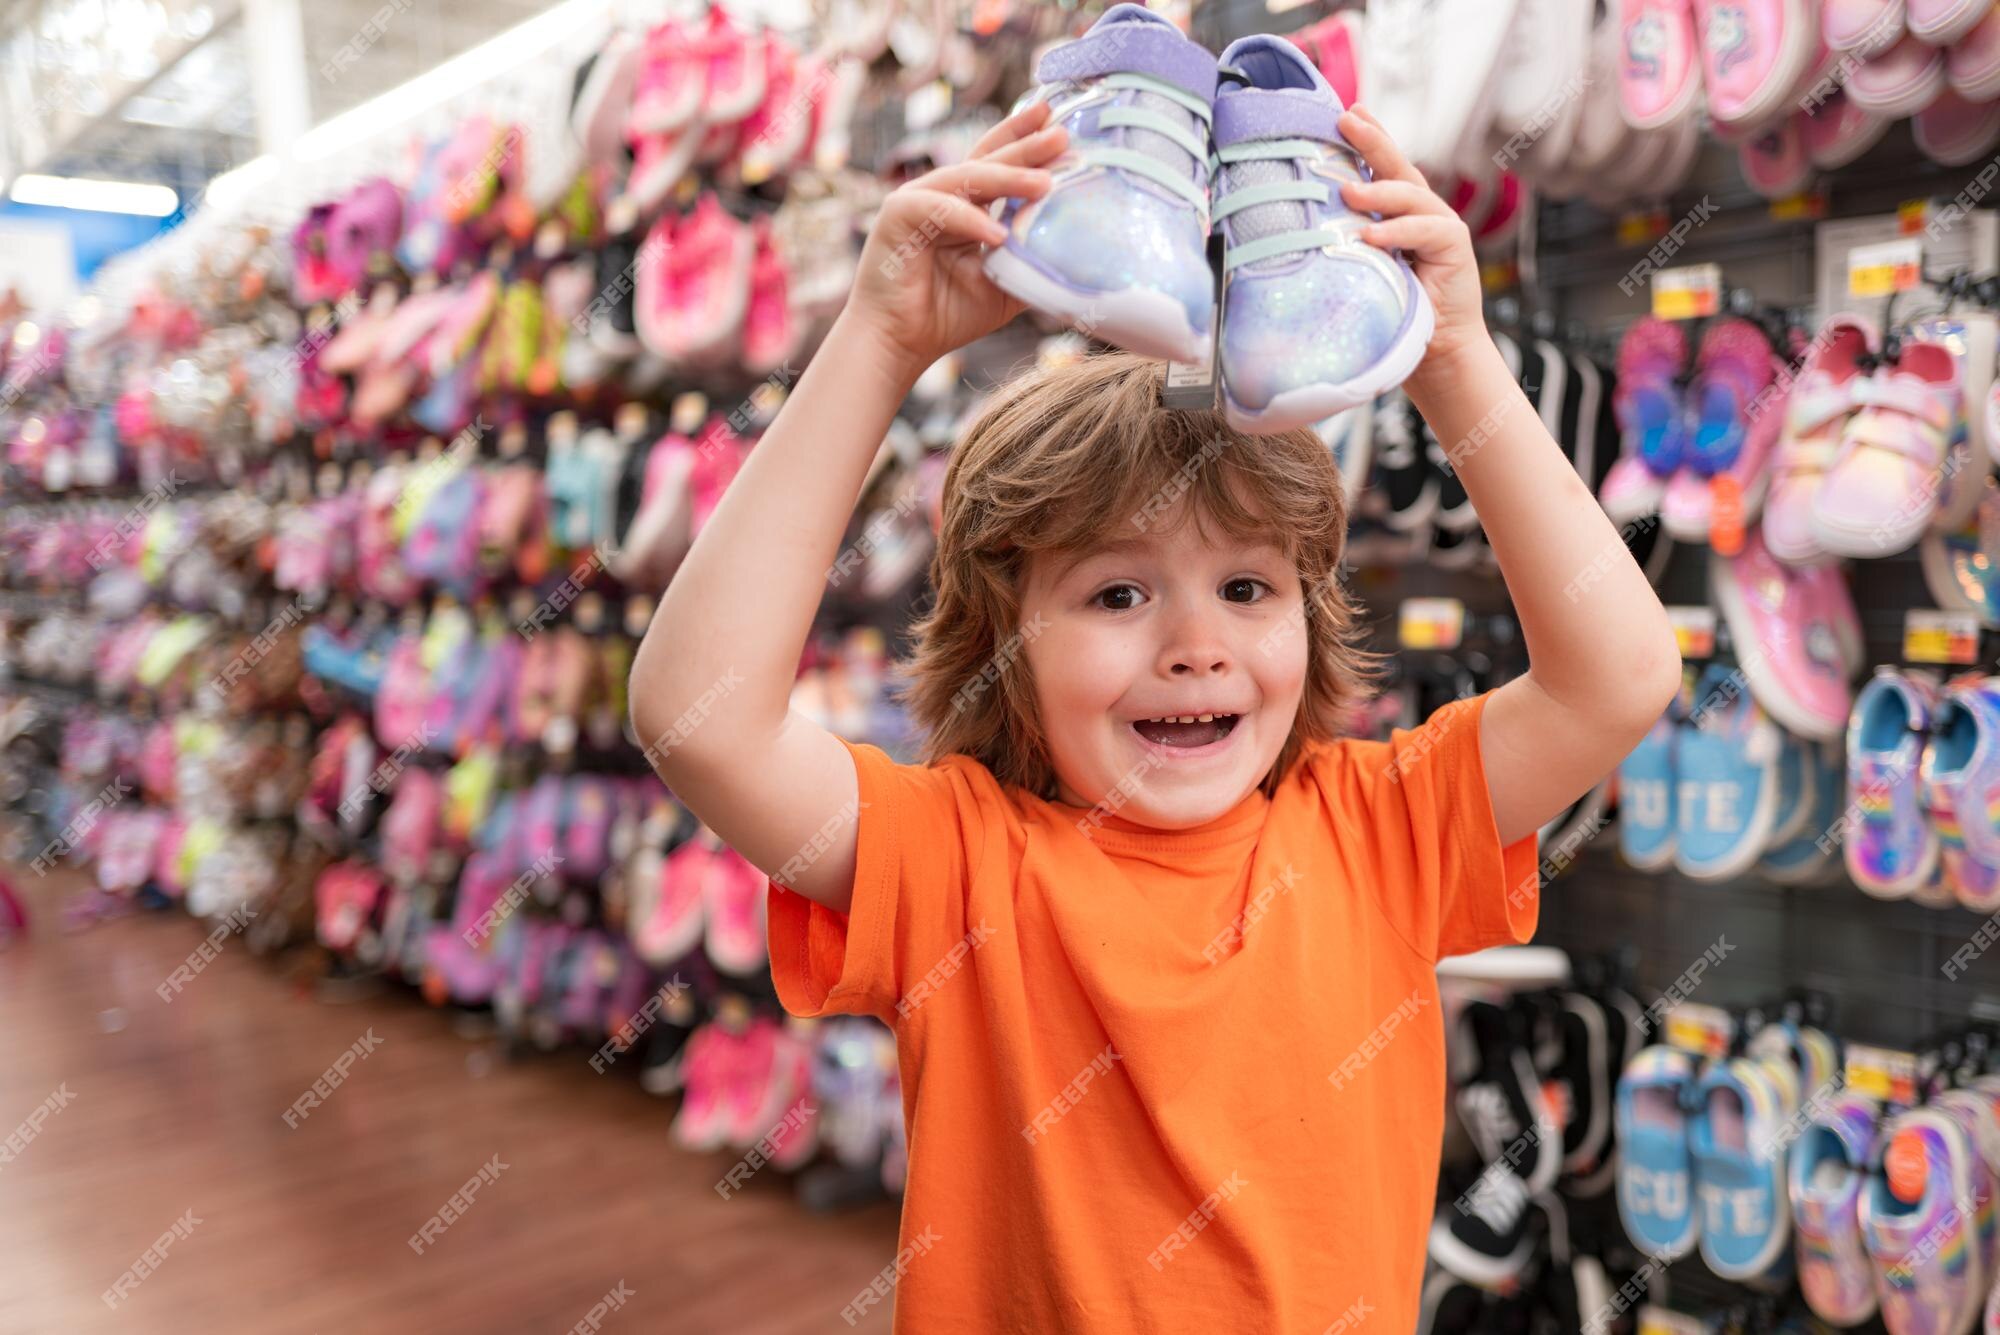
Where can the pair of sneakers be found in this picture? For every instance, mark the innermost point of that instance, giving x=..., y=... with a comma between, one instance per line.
x=1716, y=788
x=1692, y=432
x=1921, y=1228
x=1164, y=144
x=1704, y=1156
x=746, y=1086
x=1876, y=451
x=1921, y=760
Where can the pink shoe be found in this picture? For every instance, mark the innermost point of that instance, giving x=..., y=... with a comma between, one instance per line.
x=698, y=310
x=1337, y=52
x=778, y=132
x=605, y=100
x=770, y=1080
x=1972, y=339
x=734, y=894
x=1687, y=507
x=667, y=912
x=1752, y=55
x=1900, y=81
x=1861, y=27
x=1836, y=131
x=1884, y=486
x=770, y=334
x=1952, y=131
x=669, y=84
x=734, y=68
x=654, y=277
x=1942, y=22
x=710, y=1062
x=1659, y=77
x=1790, y=628
x=659, y=161
x=1972, y=65
x=1775, y=162
x=1815, y=415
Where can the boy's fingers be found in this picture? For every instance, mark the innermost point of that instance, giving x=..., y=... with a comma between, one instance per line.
x=984, y=181
x=1017, y=126
x=940, y=213
x=1392, y=199
x=1032, y=151
x=1428, y=236
x=1384, y=158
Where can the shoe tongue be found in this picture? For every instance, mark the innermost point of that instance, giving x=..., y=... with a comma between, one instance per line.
x=1250, y=114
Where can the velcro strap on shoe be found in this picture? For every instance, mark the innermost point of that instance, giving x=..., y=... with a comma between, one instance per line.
x=1136, y=47
x=1814, y=403
x=1283, y=113
x=1904, y=394
x=1922, y=445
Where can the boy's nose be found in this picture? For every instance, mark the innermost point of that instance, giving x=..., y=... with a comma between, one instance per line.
x=1194, y=649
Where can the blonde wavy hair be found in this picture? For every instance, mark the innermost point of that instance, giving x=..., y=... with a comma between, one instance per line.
x=1057, y=462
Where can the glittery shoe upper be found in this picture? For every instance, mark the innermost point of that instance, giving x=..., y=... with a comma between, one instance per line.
x=1129, y=209
x=1305, y=301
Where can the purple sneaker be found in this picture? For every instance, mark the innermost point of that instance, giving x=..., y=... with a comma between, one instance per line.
x=1961, y=766
x=1119, y=247
x=1314, y=320
x=1926, y=1259
x=1828, y=1171
x=1892, y=851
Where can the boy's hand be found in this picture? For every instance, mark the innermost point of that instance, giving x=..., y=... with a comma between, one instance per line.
x=922, y=288
x=1416, y=220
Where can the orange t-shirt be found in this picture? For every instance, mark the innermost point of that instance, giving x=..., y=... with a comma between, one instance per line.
x=1166, y=1081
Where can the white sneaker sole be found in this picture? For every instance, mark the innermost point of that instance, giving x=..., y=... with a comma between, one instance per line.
x=1139, y=320
x=1314, y=403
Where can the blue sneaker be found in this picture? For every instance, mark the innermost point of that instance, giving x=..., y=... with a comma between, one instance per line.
x=1961, y=765
x=1739, y=1167
x=1119, y=246
x=1726, y=783
x=1806, y=858
x=1655, y=1166
x=1893, y=850
x=1646, y=798
x=1314, y=319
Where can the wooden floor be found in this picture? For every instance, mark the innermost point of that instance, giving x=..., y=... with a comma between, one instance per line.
x=177, y=1107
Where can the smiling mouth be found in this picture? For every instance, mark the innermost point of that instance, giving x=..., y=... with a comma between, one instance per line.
x=1186, y=730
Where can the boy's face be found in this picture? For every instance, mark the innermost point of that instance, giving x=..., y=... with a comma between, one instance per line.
x=1167, y=623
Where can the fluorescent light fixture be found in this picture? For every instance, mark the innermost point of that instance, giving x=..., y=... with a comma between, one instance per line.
x=461, y=73
x=77, y=192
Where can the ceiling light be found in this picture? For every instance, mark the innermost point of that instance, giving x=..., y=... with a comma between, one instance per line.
x=76, y=192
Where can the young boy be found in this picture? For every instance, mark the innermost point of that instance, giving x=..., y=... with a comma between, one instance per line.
x=1158, y=948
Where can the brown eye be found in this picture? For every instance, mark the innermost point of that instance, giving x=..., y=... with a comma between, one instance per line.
x=1118, y=598
x=1244, y=590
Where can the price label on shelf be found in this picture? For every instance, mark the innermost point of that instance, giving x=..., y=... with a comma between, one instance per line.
x=1703, y=1030
x=1946, y=638
x=1640, y=228
x=1661, y=1321
x=1888, y=266
x=1694, y=630
x=1687, y=293
x=1912, y=215
x=1806, y=206
x=1430, y=623
x=1882, y=1073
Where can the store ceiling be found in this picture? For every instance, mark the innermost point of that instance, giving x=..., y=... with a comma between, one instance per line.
x=196, y=119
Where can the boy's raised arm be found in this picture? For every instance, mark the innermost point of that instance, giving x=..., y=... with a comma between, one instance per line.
x=712, y=681
x=1603, y=660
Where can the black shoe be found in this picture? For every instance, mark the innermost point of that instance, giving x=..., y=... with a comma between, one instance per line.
x=1501, y=1105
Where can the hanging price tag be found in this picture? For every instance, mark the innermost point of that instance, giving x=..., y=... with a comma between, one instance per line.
x=1882, y=1073
x=1430, y=623
x=1889, y=266
x=1687, y=293
x=1703, y=1030
x=1946, y=638
x=1725, y=524
x=1640, y=228
x=1803, y=207
x=1660, y=1321
x=1694, y=630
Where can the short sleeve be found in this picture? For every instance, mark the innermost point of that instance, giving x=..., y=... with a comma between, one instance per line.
x=1415, y=813
x=915, y=825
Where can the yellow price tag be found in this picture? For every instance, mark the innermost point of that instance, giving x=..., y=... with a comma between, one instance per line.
x=1882, y=1073
x=1688, y=293
x=1802, y=207
x=1911, y=215
x=1694, y=630
x=1430, y=623
x=1891, y=266
x=1945, y=638
x=1705, y=1030
x=1637, y=229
